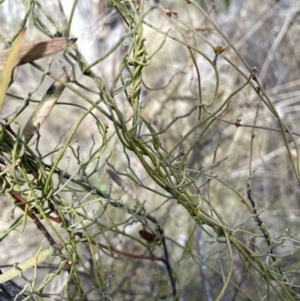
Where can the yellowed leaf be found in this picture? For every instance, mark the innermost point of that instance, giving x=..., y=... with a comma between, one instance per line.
x=9, y=66
x=26, y=265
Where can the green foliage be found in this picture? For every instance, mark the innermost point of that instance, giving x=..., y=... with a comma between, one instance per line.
x=177, y=162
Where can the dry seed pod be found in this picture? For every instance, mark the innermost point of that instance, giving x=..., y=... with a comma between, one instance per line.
x=148, y=236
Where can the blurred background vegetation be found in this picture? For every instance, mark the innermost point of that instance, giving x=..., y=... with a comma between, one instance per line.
x=168, y=168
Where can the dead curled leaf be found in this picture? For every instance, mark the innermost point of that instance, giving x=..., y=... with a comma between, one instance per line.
x=45, y=106
x=122, y=184
x=34, y=51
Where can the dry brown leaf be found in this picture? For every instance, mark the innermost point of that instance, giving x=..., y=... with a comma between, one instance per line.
x=34, y=51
